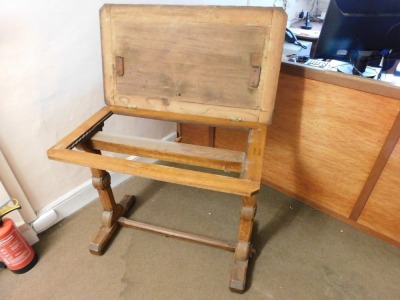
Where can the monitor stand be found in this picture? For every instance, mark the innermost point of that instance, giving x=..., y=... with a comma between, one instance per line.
x=348, y=69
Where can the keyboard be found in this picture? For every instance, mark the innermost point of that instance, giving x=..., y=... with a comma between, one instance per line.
x=315, y=63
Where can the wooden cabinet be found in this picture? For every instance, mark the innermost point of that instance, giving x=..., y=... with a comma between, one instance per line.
x=328, y=132
x=324, y=140
x=382, y=211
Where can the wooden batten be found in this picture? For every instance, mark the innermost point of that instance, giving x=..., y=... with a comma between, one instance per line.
x=158, y=172
x=184, y=118
x=90, y=126
x=226, y=160
x=177, y=234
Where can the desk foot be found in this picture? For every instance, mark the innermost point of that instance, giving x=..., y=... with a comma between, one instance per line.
x=244, y=249
x=109, y=226
x=238, y=277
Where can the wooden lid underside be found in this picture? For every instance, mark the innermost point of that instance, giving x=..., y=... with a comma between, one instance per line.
x=200, y=60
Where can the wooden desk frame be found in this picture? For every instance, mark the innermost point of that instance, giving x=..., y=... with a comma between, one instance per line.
x=160, y=62
x=91, y=141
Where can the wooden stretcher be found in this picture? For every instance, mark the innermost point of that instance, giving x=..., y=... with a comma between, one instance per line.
x=216, y=66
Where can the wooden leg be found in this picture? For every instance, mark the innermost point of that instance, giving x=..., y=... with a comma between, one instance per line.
x=243, y=248
x=101, y=181
x=112, y=211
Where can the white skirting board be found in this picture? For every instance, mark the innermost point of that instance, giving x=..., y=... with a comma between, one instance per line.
x=80, y=197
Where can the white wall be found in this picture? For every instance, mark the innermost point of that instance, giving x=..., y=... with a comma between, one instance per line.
x=51, y=81
x=323, y=5
x=292, y=7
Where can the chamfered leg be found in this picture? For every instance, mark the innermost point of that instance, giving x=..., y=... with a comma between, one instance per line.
x=243, y=248
x=101, y=181
x=111, y=211
x=252, y=171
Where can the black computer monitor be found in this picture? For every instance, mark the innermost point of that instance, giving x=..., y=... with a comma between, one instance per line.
x=357, y=31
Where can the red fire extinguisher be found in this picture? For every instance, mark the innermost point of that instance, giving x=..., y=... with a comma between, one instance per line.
x=15, y=252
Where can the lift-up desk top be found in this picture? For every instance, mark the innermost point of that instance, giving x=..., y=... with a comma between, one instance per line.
x=197, y=60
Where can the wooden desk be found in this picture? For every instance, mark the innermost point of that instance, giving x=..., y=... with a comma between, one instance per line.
x=333, y=144
x=228, y=79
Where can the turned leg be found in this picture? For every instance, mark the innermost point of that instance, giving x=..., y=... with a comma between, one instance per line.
x=111, y=211
x=252, y=170
x=101, y=181
x=243, y=248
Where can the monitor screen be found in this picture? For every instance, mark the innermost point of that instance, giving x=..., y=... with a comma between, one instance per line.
x=357, y=31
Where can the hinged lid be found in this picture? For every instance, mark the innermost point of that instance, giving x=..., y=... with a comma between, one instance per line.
x=202, y=60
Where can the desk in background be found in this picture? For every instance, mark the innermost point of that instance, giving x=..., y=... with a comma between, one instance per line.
x=388, y=75
x=311, y=35
x=292, y=49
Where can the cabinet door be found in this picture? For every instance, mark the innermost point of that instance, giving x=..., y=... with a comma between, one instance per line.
x=324, y=140
x=382, y=211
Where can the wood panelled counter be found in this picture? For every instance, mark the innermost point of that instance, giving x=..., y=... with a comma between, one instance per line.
x=333, y=144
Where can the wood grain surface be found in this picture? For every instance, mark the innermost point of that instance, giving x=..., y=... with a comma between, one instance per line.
x=382, y=210
x=193, y=59
x=329, y=133
x=324, y=141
